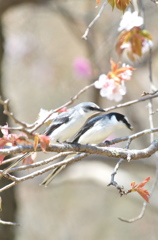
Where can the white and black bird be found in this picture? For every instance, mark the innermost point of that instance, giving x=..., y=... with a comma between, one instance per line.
x=95, y=131
x=66, y=125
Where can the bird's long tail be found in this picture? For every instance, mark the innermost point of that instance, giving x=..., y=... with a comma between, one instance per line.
x=17, y=161
x=55, y=171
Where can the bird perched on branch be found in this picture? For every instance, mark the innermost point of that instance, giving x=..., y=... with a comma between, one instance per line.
x=66, y=125
x=95, y=131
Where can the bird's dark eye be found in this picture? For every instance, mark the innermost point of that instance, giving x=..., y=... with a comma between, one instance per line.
x=88, y=108
x=91, y=108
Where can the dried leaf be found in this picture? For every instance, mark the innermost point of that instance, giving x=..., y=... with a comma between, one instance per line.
x=136, y=44
x=36, y=141
x=30, y=159
x=120, y=4
x=44, y=142
x=133, y=42
x=123, y=38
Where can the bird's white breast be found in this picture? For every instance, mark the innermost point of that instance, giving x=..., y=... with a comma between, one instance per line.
x=67, y=130
x=100, y=131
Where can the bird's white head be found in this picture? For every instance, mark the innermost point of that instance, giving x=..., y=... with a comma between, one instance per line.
x=88, y=108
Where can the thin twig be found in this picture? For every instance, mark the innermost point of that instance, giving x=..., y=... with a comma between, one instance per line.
x=150, y=104
x=9, y=223
x=129, y=138
x=10, y=159
x=39, y=172
x=11, y=115
x=8, y=186
x=131, y=102
x=40, y=163
x=136, y=218
x=113, y=182
x=94, y=20
x=149, y=93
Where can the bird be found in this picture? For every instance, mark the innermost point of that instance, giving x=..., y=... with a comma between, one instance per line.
x=66, y=125
x=95, y=131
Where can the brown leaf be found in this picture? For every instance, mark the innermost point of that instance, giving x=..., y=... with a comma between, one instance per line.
x=136, y=44
x=44, y=142
x=120, y=4
x=36, y=141
x=123, y=38
x=30, y=159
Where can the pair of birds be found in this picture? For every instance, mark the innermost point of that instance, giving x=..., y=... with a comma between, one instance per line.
x=73, y=126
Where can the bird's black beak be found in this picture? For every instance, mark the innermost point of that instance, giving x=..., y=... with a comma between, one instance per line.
x=126, y=122
x=100, y=110
x=130, y=127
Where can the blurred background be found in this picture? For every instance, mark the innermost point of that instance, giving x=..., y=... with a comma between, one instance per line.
x=44, y=62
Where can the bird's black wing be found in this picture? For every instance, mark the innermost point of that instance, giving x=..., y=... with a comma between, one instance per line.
x=59, y=120
x=86, y=127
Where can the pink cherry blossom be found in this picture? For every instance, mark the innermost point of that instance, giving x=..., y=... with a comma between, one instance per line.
x=112, y=85
x=110, y=89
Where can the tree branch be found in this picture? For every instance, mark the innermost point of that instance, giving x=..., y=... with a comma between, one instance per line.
x=85, y=150
x=131, y=102
x=75, y=147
